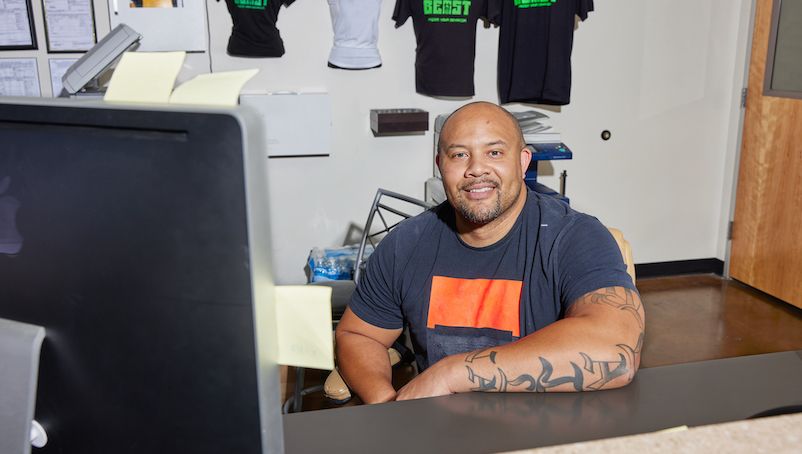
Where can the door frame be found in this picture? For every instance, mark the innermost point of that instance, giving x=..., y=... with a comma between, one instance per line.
x=739, y=140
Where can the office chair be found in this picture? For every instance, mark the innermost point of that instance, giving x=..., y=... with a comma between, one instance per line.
x=338, y=392
x=390, y=208
x=626, y=251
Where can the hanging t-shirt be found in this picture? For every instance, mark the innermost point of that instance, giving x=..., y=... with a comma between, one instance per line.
x=254, y=33
x=534, y=52
x=445, y=31
x=356, y=32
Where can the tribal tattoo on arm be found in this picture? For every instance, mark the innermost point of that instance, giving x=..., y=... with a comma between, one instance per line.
x=593, y=374
x=618, y=297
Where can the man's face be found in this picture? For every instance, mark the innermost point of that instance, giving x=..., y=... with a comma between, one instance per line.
x=481, y=162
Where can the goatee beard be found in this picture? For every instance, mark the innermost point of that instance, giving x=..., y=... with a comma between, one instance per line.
x=479, y=216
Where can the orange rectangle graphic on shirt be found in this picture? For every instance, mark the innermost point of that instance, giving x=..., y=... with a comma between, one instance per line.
x=475, y=303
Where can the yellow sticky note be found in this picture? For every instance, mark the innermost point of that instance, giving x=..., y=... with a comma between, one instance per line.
x=303, y=314
x=673, y=429
x=144, y=77
x=215, y=89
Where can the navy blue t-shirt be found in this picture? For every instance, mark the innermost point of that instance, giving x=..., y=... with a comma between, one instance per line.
x=534, y=49
x=456, y=298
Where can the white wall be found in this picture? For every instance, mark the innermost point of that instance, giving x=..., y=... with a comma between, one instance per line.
x=663, y=77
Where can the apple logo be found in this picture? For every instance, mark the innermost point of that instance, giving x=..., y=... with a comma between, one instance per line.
x=10, y=239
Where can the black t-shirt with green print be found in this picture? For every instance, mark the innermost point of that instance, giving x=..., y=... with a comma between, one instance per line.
x=445, y=31
x=254, y=33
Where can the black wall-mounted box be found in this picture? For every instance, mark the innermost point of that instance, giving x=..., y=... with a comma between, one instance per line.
x=398, y=120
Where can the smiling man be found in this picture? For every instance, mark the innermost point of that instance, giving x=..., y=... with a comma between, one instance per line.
x=502, y=289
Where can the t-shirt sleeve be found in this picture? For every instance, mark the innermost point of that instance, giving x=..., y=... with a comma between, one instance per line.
x=402, y=12
x=493, y=13
x=373, y=300
x=589, y=260
x=583, y=8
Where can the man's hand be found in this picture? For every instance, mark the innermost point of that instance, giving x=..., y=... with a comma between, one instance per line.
x=363, y=360
x=437, y=380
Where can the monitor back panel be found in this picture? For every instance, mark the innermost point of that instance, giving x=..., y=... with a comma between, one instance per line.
x=131, y=247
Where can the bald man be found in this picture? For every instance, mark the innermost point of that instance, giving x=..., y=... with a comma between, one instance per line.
x=503, y=289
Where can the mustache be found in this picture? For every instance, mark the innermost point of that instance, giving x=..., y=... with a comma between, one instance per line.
x=476, y=181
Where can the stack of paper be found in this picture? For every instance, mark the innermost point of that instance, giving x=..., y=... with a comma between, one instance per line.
x=535, y=131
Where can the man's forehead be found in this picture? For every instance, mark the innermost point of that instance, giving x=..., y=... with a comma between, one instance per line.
x=472, y=109
x=473, y=116
x=490, y=143
x=478, y=112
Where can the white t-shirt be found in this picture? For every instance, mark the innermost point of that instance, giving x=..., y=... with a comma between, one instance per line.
x=356, y=33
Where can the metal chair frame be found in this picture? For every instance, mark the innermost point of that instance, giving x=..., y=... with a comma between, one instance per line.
x=376, y=208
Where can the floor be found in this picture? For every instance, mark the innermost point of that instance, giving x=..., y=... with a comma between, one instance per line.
x=702, y=317
x=688, y=318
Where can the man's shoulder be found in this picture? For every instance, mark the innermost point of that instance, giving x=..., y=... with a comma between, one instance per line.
x=548, y=207
x=428, y=219
x=559, y=217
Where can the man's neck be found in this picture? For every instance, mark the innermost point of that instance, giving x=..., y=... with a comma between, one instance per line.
x=482, y=235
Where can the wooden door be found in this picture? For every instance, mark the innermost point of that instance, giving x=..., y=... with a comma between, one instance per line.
x=766, y=251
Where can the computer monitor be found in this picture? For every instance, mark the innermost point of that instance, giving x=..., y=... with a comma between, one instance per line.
x=139, y=239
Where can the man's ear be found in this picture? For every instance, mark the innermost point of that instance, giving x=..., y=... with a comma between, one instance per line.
x=437, y=162
x=526, y=158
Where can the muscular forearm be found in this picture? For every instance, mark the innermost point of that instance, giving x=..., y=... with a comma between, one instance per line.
x=597, y=347
x=541, y=363
x=365, y=366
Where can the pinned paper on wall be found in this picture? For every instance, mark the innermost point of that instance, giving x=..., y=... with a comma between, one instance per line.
x=69, y=25
x=19, y=77
x=59, y=66
x=303, y=316
x=18, y=31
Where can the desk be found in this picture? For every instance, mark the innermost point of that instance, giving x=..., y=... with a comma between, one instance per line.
x=694, y=394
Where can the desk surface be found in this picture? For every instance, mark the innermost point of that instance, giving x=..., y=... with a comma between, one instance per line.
x=692, y=394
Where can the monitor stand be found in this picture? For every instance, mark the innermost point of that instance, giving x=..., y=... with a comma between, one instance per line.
x=20, y=344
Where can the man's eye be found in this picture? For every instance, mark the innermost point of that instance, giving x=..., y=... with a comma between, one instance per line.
x=495, y=153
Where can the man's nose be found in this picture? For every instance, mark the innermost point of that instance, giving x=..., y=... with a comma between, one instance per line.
x=476, y=167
